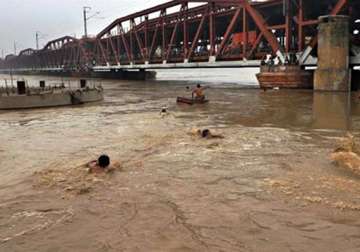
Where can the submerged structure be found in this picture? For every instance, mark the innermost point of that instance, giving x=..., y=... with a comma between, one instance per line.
x=284, y=76
x=25, y=97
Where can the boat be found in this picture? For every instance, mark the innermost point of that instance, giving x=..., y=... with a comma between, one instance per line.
x=284, y=76
x=191, y=101
x=25, y=97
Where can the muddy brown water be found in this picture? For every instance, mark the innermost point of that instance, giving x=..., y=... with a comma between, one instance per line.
x=269, y=185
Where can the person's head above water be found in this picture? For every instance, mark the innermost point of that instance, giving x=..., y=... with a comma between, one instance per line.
x=103, y=161
x=205, y=133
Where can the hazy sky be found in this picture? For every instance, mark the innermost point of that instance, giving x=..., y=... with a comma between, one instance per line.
x=20, y=19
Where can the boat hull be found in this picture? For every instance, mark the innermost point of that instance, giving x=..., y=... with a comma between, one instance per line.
x=50, y=100
x=290, y=77
x=190, y=101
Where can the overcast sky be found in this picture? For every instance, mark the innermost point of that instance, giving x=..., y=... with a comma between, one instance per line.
x=20, y=19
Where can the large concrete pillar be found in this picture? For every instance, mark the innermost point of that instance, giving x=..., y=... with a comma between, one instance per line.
x=333, y=72
x=332, y=110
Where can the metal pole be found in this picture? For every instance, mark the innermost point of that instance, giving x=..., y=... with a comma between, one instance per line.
x=85, y=21
x=86, y=18
x=14, y=47
x=37, y=40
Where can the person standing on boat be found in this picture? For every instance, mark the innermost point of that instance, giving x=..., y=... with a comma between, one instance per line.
x=199, y=92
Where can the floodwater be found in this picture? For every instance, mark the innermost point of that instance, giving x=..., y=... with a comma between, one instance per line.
x=269, y=185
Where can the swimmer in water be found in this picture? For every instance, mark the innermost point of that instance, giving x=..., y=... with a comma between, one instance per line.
x=100, y=165
x=206, y=133
x=164, y=112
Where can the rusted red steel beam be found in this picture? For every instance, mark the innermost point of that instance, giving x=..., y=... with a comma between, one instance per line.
x=146, y=37
x=62, y=39
x=131, y=43
x=47, y=60
x=153, y=41
x=96, y=56
x=83, y=51
x=179, y=2
x=163, y=36
x=74, y=55
x=185, y=35
x=139, y=43
x=78, y=55
x=261, y=24
x=175, y=29
x=106, y=49
x=63, y=56
x=102, y=50
x=53, y=56
x=125, y=43
x=338, y=7
x=118, y=46
x=228, y=31
x=142, y=13
x=245, y=31
x=192, y=14
x=310, y=22
x=70, y=57
x=196, y=38
x=300, y=18
x=188, y=12
x=114, y=51
x=213, y=10
x=258, y=39
x=277, y=27
x=173, y=35
x=287, y=27
x=212, y=32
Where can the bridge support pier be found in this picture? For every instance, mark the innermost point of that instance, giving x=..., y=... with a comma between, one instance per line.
x=333, y=73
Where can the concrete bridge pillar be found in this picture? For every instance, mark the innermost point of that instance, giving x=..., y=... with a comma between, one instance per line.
x=333, y=73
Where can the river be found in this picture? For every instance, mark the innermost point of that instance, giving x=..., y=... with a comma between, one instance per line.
x=269, y=185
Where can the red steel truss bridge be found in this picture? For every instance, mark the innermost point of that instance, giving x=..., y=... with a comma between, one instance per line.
x=196, y=33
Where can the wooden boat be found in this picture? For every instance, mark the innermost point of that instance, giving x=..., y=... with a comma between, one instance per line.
x=284, y=76
x=190, y=101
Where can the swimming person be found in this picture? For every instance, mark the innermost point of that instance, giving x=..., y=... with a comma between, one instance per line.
x=205, y=133
x=100, y=165
x=164, y=112
x=199, y=92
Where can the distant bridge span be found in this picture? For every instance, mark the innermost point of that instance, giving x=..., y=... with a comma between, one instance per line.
x=196, y=34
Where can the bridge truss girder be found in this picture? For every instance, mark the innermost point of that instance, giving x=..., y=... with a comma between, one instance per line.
x=175, y=32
